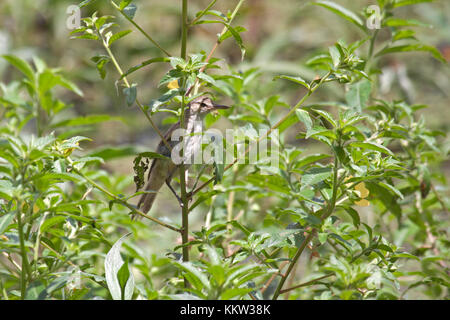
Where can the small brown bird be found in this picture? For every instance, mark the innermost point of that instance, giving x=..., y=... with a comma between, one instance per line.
x=162, y=170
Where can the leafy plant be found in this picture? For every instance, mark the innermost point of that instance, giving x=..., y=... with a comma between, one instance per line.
x=367, y=206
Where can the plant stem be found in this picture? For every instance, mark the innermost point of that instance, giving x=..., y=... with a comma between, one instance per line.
x=25, y=273
x=291, y=265
x=140, y=29
x=184, y=198
x=371, y=49
x=305, y=284
x=213, y=2
x=184, y=29
x=139, y=104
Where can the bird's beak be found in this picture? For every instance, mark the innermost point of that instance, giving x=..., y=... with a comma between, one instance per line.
x=220, y=106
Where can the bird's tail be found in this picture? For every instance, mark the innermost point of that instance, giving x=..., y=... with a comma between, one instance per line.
x=156, y=178
x=146, y=201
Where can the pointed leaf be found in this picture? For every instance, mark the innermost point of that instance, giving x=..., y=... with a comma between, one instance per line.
x=20, y=65
x=341, y=11
x=298, y=80
x=113, y=263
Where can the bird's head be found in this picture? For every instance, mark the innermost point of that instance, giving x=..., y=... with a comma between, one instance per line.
x=204, y=105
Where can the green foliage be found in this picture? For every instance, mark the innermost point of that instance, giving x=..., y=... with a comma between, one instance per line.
x=362, y=212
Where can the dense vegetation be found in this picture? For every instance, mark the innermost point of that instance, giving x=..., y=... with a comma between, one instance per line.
x=357, y=207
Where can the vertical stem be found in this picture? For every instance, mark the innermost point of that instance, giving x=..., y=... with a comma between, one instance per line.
x=25, y=274
x=184, y=30
x=292, y=264
x=371, y=49
x=184, y=198
x=140, y=29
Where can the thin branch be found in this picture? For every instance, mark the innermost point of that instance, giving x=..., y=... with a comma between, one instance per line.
x=139, y=104
x=182, y=170
x=291, y=265
x=283, y=264
x=58, y=255
x=305, y=284
x=233, y=15
x=140, y=29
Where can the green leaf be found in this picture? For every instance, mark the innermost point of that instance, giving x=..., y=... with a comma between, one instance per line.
x=304, y=117
x=233, y=31
x=327, y=116
x=143, y=64
x=20, y=65
x=124, y=3
x=316, y=175
x=228, y=34
x=310, y=159
x=403, y=34
x=354, y=215
x=6, y=187
x=401, y=3
x=200, y=14
x=109, y=153
x=196, y=277
x=335, y=55
x=412, y=47
x=87, y=120
x=69, y=85
x=123, y=275
x=372, y=146
x=216, y=13
x=36, y=291
x=238, y=225
x=358, y=95
x=164, y=99
x=298, y=80
x=235, y=292
x=59, y=176
x=87, y=36
x=319, y=131
x=152, y=155
x=130, y=11
x=397, y=22
x=391, y=188
x=6, y=219
x=206, y=78
x=51, y=222
x=113, y=263
x=341, y=11
x=73, y=142
x=322, y=236
x=85, y=3
x=101, y=62
x=130, y=94
x=405, y=255
x=117, y=36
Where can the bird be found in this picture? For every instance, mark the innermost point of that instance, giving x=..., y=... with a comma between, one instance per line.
x=162, y=169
